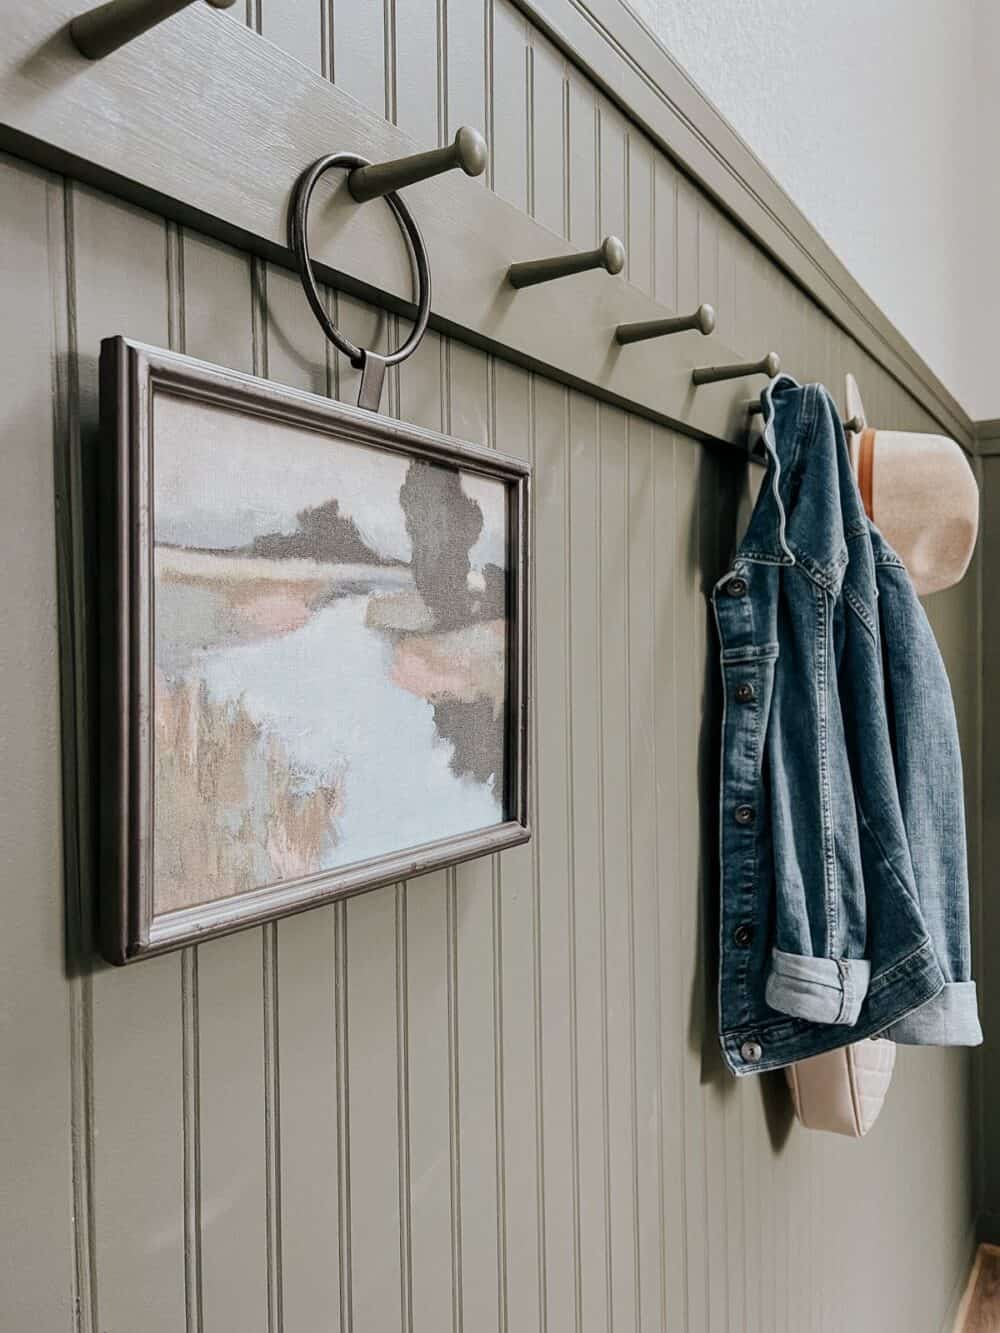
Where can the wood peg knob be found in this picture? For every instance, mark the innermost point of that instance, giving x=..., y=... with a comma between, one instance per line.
x=609, y=255
x=100, y=31
x=702, y=319
x=768, y=365
x=468, y=153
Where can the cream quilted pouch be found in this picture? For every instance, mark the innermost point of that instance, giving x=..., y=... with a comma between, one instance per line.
x=842, y=1091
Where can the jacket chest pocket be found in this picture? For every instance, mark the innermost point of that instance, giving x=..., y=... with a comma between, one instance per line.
x=748, y=682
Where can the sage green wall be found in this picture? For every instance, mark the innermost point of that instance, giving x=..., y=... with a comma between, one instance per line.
x=488, y=1099
x=989, y=923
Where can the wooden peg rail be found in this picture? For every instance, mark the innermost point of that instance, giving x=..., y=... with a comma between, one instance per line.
x=97, y=120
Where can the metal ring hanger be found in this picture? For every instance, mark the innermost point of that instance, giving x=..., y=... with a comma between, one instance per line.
x=371, y=365
x=367, y=180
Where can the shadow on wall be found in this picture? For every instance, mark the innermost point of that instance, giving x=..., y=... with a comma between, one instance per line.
x=74, y=448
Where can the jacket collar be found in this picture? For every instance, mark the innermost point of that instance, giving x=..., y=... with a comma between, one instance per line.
x=808, y=505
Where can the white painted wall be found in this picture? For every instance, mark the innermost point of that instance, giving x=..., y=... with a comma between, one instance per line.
x=876, y=117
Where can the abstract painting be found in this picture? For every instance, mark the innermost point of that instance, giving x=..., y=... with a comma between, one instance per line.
x=335, y=625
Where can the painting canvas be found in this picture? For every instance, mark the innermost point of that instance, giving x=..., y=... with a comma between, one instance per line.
x=329, y=674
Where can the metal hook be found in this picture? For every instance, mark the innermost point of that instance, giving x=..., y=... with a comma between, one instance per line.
x=468, y=151
x=609, y=255
x=100, y=31
x=703, y=320
x=768, y=365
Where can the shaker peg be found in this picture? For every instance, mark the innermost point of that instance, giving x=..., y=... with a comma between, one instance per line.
x=468, y=152
x=703, y=319
x=852, y=426
x=100, y=31
x=768, y=365
x=609, y=255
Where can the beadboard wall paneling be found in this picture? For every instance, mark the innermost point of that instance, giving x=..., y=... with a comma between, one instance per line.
x=489, y=1098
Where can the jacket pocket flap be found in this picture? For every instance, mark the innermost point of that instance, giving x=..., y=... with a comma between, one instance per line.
x=750, y=652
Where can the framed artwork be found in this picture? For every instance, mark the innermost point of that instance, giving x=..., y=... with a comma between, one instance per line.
x=314, y=630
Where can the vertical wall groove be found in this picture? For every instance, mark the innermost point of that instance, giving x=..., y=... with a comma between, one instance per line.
x=403, y=1109
x=260, y=334
x=497, y=996
x=598, y=164
x=272, y=1125
x=602, y=898
x=570, y=757
x=566, y=157
x=451, y=920
x=326, y=39
x=67, y=447
x=342, y=1055
x=389, y=56
x=652, y=612
x=190, y=1056
x=496, y=922
x=193, y=1307
x=630, y=887
x=442, y=70
x=491, y=137
x=536, y=932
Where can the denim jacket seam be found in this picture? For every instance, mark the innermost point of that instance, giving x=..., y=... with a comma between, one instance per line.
x=720, y=998
x=750, y=652
x=884, y=978
x=826, y=794
x=828, y=576
x=765, y=558
x=749, y=868
x=817, y=984
x=882, y=852
x=846, y=990
x=861, y=611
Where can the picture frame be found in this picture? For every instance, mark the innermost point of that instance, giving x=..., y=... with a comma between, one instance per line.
x=314, y=645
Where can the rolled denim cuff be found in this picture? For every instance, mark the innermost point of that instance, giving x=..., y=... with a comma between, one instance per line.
x=822, y=990
x=950, y=1019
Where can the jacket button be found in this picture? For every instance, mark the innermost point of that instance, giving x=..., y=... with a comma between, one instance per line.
x=745, y=692
x=751, y=1052
x=736, y=587
x=745, y=814
x=743, y=936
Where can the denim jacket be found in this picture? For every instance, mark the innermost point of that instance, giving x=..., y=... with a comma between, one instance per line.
x=844, y=892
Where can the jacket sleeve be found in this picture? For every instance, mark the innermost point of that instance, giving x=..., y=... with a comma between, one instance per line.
x=819, y=969
x=928, y=766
